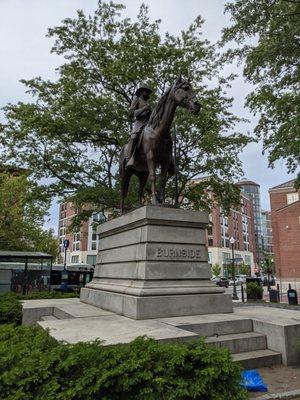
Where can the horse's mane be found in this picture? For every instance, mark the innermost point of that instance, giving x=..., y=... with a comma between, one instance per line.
x=159, y=109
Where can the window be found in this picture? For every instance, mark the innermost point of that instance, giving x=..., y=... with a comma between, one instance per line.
x=248, y=260
x=91, y=260
x=76, y=246
x=76, y=237
x=94, y=236
x=209, y=257
x=94, y=246
x=292, y=197
x=74, y=259
x=225, y=256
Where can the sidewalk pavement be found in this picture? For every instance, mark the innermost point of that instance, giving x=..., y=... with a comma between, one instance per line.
x=283, y=383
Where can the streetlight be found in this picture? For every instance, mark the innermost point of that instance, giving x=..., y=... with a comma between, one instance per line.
x=234, y=294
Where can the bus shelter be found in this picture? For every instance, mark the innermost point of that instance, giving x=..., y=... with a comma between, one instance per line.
x=24, y=271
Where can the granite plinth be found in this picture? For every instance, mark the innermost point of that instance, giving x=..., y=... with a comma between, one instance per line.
x=153, y=262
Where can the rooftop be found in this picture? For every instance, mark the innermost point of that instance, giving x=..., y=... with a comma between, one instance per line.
x=22, y=255
x=245, y=182
x=285, y=185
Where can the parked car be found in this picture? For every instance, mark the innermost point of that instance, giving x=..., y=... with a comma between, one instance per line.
x=238, y=281
x=223, y=282
x=241, y=278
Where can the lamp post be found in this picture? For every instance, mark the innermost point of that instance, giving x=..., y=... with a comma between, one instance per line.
x=234, y=294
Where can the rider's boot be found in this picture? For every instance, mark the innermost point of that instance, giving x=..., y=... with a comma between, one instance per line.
x=130, y=154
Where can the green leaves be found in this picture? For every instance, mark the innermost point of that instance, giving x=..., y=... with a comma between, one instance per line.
x=23, y=206
x=73, y=131
x=35, y=366
x=267, y=34
x=10, y=309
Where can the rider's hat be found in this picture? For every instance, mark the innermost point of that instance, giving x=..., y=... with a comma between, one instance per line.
x=143, y=86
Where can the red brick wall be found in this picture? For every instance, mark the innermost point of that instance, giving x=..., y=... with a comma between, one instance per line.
x=216, y=228
x=286, y=234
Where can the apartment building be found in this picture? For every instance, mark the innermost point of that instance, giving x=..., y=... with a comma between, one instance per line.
x=83, y=244
x=267, y=234
x=252, y=190
x=285, y=215
x=238, y=224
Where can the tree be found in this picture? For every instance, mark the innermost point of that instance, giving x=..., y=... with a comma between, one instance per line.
x=73, y=131
x=245, y=269
x=216, y=270
x=22, y=211
x=267, y=34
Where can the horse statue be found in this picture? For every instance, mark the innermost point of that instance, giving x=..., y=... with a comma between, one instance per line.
x=155, y=143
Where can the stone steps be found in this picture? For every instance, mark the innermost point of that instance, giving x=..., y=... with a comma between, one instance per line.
x=247, y=347
x=49, y=318
x=239, y=342
x=72, y=321
x=217, y=328
x=257, y=358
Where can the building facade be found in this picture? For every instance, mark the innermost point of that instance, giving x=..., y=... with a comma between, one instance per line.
x=83, y=244
x=267, y=234
x=239, y=224
x=252, y=189
x=285, y=214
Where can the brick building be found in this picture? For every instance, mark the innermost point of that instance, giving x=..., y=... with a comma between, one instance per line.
x=83, y=246
x=285, y=214
x=238, y=224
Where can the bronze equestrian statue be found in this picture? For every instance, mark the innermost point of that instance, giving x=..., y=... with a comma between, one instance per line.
x=153, y=147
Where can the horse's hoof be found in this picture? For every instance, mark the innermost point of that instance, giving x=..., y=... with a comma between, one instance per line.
x=155, y=202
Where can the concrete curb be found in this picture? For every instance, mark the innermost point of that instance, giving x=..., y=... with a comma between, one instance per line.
x=266, y=304
x=280, y=396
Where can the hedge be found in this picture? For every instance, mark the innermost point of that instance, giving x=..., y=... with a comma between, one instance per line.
x=254, y=291
x=11, y=308
x=33, y=365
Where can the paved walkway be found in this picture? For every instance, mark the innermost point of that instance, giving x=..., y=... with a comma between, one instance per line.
x=279, y=379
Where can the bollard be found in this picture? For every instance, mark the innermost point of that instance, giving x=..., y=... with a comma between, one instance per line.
x=243, y=295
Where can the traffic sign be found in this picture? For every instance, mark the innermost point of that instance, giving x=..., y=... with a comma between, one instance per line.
x=66, y=243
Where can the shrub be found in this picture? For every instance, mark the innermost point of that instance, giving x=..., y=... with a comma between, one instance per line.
x=254, y=291
x=10, y=309
x=35, y=366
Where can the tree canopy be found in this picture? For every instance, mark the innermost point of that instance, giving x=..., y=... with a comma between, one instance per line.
x=22, y=211
x=267, y=34
x=72, y=131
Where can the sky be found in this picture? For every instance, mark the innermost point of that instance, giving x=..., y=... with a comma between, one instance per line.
x=25, y=53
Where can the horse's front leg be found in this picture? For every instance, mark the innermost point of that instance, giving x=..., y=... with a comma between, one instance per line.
x=163, y=181
x=152, y=174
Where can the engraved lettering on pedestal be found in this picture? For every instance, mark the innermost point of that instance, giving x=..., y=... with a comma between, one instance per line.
x=177, y=253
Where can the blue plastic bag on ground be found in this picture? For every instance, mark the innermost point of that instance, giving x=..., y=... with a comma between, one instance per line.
x=252, y=381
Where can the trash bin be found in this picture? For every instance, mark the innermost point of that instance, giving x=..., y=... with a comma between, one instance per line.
x=292, y=297
x=274, y=296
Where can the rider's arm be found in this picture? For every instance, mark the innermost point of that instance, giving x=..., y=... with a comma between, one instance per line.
x=142, y=112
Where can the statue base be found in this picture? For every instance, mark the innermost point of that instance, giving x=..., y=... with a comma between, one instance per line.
x=152, y=263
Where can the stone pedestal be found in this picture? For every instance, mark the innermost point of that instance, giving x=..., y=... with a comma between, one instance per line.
x=152, y=263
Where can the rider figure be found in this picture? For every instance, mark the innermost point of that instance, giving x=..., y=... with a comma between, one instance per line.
x=141, y=111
